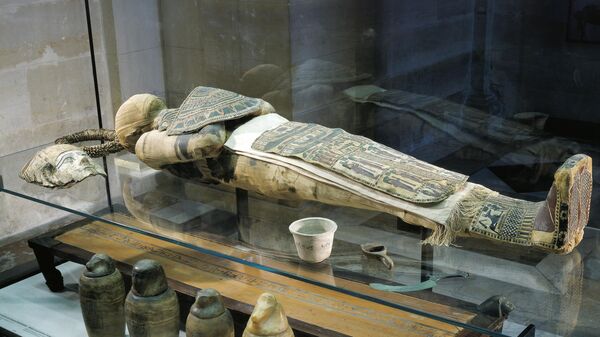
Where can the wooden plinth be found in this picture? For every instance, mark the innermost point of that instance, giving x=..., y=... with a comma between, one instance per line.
x=311, y=309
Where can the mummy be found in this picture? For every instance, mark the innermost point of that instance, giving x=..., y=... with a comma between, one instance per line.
x=218, y=136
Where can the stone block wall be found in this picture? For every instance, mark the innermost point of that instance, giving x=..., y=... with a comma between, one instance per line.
x=225, y=43
x=45, y=70
x=536, y=67
x=214, y=42
x=327, y=35
x=138, y=47
x=46, y=90
x=426, y=48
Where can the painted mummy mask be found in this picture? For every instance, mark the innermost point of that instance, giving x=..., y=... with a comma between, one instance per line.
x=60, y=166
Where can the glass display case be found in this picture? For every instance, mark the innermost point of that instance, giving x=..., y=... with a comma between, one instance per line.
x=499, y=91
x=445, y=284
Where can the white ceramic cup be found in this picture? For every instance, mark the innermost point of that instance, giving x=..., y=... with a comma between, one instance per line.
x=313, y=238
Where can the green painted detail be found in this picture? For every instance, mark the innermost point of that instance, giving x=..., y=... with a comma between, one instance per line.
x=206, y=105
x=362, y=160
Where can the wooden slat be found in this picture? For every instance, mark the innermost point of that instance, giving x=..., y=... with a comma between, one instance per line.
x=311, y=272
x=303, y=302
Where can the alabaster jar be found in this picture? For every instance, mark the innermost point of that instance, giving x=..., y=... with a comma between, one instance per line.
x=208, y=316
x=313, y=238
x=268, y=319
x=151, y=307
x=102, y=294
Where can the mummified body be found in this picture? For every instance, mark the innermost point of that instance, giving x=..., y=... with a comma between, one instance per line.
x=221, y=137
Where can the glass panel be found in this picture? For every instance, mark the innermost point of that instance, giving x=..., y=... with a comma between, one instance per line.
x=204, y=218
x=460, y=277
x=47, y=89
x=501, y=91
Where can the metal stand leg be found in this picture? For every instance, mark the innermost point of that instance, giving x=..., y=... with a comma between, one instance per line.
x=45, y=259
x=528, y=332
x=241, y=209
x=241, y=203
x=426, y=257
x=426, y=250
x=403, y=226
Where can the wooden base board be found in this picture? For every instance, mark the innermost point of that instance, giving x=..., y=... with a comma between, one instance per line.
x=321, y=272
x=311, y=308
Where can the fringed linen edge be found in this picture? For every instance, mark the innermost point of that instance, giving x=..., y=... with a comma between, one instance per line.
x=460, y=218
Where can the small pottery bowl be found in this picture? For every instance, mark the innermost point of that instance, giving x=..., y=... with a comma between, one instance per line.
x=313, y=238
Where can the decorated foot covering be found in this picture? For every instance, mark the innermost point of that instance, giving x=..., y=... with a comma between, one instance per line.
x=560, y=222
x=485, y=212
x=555, y=225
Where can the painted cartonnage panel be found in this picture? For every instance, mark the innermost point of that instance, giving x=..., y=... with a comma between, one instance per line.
x=362, y=160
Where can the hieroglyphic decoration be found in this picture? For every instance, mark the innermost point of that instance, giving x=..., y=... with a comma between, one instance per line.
x=506, y=219
x=363, y=161
x=166, y=118
x=206, y=105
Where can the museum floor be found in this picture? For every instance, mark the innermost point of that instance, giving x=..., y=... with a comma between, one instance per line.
x=26, y=302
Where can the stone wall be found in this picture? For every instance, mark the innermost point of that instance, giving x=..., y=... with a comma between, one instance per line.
x=426, y=48
x=138, y=47
x=214, y=42
x=331, y=50
x=45, y=69
x=46, y=90
x=257, y=47
x=535, y=66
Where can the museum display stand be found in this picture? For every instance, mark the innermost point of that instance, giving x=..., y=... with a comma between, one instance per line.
x=313, y=309
x=208, y=236
x=380, y=280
